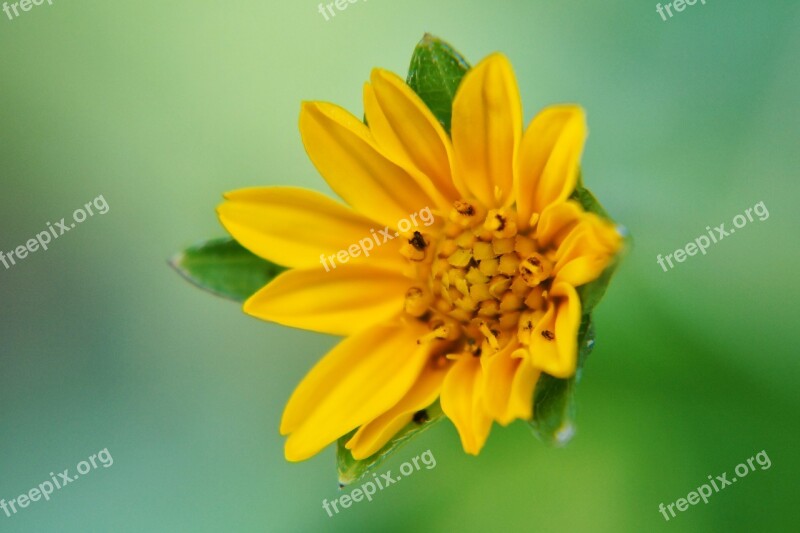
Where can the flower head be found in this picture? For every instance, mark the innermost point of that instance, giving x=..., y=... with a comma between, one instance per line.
x=471, y=308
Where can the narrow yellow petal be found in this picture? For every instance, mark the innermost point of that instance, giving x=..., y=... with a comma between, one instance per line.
x=520, y=402
x=373, y=435
x=509, y=381
x=568, y=321
x=361, y=378
x=486, y=130
x=293, y=227
x=462, y=402
x=498, y=373
x=554, y=343
x=340, y=302
x=342, y=149
x=548, y=159
x=404, y=127
x=582, y=270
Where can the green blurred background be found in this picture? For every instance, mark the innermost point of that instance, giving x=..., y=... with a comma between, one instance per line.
x=162, y=106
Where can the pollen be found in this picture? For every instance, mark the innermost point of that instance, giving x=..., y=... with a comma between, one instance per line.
x=482, y=282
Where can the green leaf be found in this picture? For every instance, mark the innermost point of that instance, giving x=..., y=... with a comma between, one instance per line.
x=434, y=74
x=225, y=268
x=554, y=398
x=591, y=293
x=351, y=470
x=585, y=197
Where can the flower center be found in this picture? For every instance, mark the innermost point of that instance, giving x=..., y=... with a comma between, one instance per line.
x=482, y=281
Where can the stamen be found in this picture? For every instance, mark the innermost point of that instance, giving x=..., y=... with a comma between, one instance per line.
x=481, y=281
x=489, y=267
x=535, y=269
x=438, y=333
x=411, y=252
x=525, y=328
x=499, y=285
x=417, y=302
x=508, y=264
x=479, y=292
x=489, y=308
x=466, y=240
x=503, y=246
x=466, y=214
x=490, y=336
x=475, y=276
x=501, y=222
x=535, y=300
x=460, y=258
x=483, y=251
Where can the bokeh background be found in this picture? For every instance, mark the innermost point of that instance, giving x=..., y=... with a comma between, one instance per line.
x=162, y=106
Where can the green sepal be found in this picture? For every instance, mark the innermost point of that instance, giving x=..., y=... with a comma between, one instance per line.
x=351, y=470
x=435, y=73
x=587, y=200
x=225, y=268
x=554, y=398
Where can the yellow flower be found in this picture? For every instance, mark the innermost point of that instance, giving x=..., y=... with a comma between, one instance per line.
x=469, y=309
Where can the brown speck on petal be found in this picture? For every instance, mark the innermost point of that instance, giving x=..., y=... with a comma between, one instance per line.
x=464, y=208
x=418, y=241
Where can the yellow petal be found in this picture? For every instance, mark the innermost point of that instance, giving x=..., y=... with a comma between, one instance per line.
x=342, y=149
x=508, y=383
x=586, y=251
x=462, y=403
x=373, y=435
x=407, y=131
x=498, y=373
x=554, y=343
x=292, y=227
x=582, y=270
x=520, y=402
x=548, y=159
x=340, y=302
x=486, y=130
x=362, y=377
x=556, y=220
